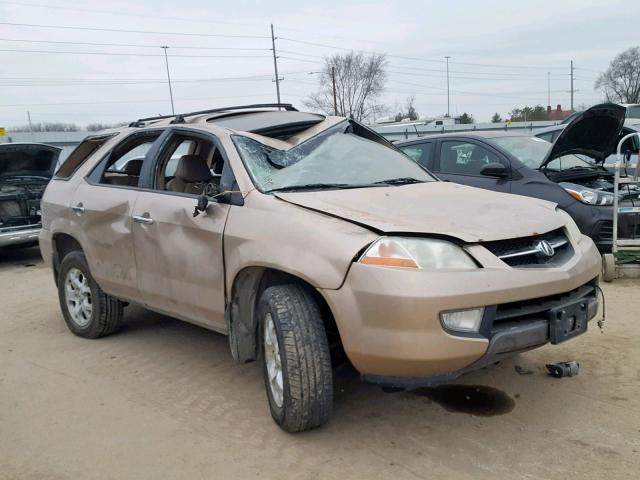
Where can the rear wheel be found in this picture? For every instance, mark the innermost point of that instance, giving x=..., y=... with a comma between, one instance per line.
x=87, y=310
x=296, y=360
x=608, y=267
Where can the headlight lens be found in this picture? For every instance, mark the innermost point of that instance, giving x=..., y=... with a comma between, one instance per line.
x=463, y=320
x=572, y=229
x=588, y=195
x=418, y=253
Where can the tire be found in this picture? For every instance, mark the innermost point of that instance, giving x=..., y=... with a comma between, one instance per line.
x=98, y=314
x=608, y=267
x=306, y=383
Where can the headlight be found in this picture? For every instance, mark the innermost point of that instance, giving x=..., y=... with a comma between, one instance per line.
x=587, y=195
x=572, y=229
x=420, y=253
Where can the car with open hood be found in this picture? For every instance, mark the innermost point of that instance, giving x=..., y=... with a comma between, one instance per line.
x=310, y=241
x=568, y=172
x=25, y=170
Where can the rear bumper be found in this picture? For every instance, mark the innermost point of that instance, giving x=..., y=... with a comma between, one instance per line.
x=389, y=319
x=19, y=236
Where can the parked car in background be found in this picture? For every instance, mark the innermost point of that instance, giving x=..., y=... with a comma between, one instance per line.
x=306, y=239
x=25, y=170
x=630, y=148
x=523, y=164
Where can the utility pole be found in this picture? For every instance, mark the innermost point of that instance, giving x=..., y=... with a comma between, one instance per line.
x=275, y=62
x=30, y=126
x=448, y=103
x=549, y=88
x=166, y=62
x=572, y=85
x=333, y=79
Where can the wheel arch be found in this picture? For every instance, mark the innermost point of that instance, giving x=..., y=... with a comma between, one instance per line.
x=63, y=244
x=241, y=309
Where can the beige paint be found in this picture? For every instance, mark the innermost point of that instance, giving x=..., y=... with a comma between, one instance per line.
x=388, y=318
x=443, y=208
x=179, y=258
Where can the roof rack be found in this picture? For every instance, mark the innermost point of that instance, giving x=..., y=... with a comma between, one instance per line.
x=179, y=118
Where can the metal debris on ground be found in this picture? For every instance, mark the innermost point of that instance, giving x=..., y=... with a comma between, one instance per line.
x=563, y=369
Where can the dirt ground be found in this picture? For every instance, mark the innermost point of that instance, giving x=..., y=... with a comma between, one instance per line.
x=162, y=399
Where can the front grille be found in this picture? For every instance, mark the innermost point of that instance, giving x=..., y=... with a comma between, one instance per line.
x=524, y=251
x=537, y=308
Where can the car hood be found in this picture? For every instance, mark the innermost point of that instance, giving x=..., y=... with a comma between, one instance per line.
x=593, y=133
x=435, y=208
x=28, y=160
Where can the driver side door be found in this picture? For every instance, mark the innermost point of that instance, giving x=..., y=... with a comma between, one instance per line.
x=462, y=161
x=179, y=257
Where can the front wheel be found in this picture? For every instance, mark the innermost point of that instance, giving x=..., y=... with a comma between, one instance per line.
x=296, y=359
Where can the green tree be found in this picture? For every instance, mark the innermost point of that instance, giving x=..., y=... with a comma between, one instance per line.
x=528, y=114
x=466, y=118
x=496, y=118
x=409, y=112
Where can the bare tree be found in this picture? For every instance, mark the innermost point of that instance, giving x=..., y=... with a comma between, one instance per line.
x=621, y=82
x=409, y=111
x=46, y=127
x=359, y=82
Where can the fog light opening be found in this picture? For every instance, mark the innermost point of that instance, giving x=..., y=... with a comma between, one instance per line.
x=462, y=320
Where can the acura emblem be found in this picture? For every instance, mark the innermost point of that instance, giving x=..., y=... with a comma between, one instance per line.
x=543, y=248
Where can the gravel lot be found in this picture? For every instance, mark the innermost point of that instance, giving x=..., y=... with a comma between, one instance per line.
x=162, y=399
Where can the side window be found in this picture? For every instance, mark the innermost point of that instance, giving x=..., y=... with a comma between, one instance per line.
x=125, y=162
x=80, y=155
x=419, y=153
x=546, y=136
x=191, y=165
x=464, y=158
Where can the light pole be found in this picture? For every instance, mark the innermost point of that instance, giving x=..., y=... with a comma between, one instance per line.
x=448, y=103
x=333, y=82
x=166, y=62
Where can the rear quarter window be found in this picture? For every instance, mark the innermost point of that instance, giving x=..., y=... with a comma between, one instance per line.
x=80, y=155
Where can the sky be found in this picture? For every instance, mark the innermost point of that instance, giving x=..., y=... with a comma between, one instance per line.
x=107, y=65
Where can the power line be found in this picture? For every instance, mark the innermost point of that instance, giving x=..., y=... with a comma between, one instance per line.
x=127, y=54
x=121, y=30
x=98, y=44
x=127, y=13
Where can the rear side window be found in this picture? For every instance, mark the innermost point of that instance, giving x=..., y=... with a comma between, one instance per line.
x=80, y=155
x=419, y=153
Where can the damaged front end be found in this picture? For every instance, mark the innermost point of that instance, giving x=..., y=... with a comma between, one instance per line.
x=25, y=171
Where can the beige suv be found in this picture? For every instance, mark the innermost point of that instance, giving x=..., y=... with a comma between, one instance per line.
x=310, y=240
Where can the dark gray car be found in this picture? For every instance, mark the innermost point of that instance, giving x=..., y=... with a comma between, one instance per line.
x=566, y=172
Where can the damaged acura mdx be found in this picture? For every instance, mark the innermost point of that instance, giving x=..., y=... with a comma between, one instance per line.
x=310, y=241
x=25, y=170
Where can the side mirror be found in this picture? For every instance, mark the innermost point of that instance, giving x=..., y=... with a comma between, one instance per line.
x=494, y=170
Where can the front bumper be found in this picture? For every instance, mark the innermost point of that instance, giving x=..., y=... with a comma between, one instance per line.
x=597, y=223
x=19, y=236
x=389, y=318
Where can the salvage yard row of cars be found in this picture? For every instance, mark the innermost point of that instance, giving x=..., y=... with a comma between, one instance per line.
x=311, y=241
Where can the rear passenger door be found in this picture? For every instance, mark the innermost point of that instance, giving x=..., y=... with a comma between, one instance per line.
x=102, y=207
x=462, y=161
x=179, y=256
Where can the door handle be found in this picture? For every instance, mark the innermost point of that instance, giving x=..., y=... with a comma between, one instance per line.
x=79, y=208
x=145, y=218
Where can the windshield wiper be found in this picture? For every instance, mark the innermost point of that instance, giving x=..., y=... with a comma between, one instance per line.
x=398, y=181
x=315, y=186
